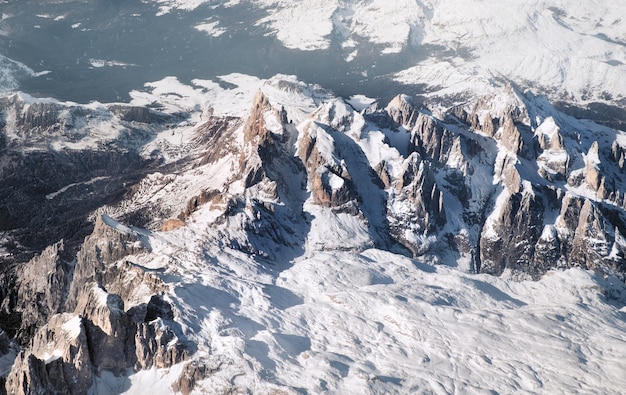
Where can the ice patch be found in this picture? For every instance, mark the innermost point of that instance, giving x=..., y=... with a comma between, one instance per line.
x=335, y=181
x=360, y=102
x=98, y=63
x=73, y=327
x=211, y=28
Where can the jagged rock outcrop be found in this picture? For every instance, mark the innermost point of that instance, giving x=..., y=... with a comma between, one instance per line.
x=270, y=210
x=106, y=325
x=619, y=155
x=553, y=159
x=57, y=362
x=94, y=262
x=510, y=235
x=98, y=334
x=10, y=318
x=330, y=182
x=416, y=208
x=593, y=176
x=402, y=111
x=42, y=288
x=193, y=372
x=431, y=139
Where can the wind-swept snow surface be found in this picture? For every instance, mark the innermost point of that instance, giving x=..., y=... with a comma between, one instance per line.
x=565, y=48
x=376, y=322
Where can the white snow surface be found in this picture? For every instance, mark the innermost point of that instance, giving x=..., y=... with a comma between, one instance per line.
x=10, y=71
x=560, y=46
x=211, y=28
x=377, y=322
x=98, y=63
x=73, y=327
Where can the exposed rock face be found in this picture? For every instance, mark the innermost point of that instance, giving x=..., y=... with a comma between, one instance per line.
x=330, y=181
x=153, y=344
x=417, y=207
x=94, y=262
x=106, y=325
x=271, y=208
x=509, y=241
x=592, y=168
x=57, y=361
x=523, y=226
x=401, y=110
x=430, y=139
x=194, y=372
x=43, y=286
x=99, y=334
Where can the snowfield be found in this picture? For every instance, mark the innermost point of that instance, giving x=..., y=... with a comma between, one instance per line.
x=375, y=322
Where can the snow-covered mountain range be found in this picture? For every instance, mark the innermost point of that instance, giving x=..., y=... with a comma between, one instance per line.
x=568, y=51
x=271, y=250
x=251, y=234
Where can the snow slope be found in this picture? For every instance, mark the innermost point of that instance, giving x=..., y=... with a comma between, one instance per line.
x=10, y=72
x=570, y=50
x=376, y=322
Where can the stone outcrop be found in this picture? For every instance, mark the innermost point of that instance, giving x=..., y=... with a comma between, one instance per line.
x=106, y=325
x=402, y=111
x=431, y=139
x=422, y=212
x=43, y=286
x=193, y=372
x=57, y=361
x=509, y=238
x=593, y=176
x=274, y=179
x=99, y=334
x=330, y=182
x=520, y=241
x=618, y=153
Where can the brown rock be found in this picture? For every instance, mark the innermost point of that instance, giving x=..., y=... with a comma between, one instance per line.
x=171, y=224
